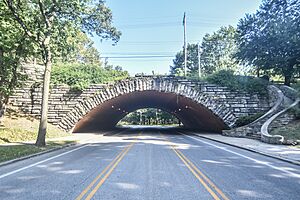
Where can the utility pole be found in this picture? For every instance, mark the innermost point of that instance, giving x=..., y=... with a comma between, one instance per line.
x=199, y=64
x=185, y=45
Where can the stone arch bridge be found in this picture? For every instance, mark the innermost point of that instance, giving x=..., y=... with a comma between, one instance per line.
x=199, y=105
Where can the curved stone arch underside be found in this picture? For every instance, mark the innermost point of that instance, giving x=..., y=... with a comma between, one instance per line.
x=137, y=85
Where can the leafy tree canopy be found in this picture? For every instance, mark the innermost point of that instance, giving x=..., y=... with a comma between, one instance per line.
x=192, y=61
x=149, y=116
x=14, y=47
x=216, y=54
x=218, y=50
x=270, y=38
x=50, y=23
x=80, y=49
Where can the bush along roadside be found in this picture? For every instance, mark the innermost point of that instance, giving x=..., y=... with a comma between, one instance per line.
x=249, y=84
x=242, y=121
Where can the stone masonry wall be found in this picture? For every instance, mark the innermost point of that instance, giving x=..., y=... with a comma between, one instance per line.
x=62, y=100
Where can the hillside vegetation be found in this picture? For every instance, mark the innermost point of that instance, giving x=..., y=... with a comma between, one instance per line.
x=80, y=76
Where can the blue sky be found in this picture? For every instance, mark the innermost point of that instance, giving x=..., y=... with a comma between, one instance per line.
x=154, y=28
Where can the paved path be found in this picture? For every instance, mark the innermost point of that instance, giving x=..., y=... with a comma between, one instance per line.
x=291, y=153
x=150, y=165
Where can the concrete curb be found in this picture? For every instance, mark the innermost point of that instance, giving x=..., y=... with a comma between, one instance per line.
x=252, y=150
x=37, y=154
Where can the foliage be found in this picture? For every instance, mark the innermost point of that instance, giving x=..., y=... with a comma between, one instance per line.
x=290, y=131
x=270, y=39
x=218, y=50
x=242, y=121
x=216, y=54
x=14, y=47
x=236, y=82
x=149, y=116
x=297, y=113
x=296, y=86
x=192, y=61
x=80, y=49
x=80, y=76
x=50, y=25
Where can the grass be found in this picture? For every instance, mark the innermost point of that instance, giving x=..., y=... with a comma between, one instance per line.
x=9, y=152
x=290, y=132
x=20, y=129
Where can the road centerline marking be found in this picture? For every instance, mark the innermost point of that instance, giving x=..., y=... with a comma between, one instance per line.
x=96, y=188
x=106, y=172
x=212, y=193
x=207, y=183
x=101, y=174
x=204, y=176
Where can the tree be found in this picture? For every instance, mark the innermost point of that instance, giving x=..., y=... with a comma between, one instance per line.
x=48, y=23
x=192, y=61
x=14, y=47
x=218, y=50
x=270, y=38
x=79, y=50
x=150, y=116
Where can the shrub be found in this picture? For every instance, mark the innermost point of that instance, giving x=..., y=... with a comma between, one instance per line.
x=296, y=111
x=236, y=82
x=80, y=76
x=242, y=121
x=296, y=86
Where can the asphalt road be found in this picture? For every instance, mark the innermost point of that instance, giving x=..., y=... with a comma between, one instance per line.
x=150, y=165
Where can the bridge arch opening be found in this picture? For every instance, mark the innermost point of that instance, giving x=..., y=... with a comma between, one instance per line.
x=192, y=114
x=149, y=117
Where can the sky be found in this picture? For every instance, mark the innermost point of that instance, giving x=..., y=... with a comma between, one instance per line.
x=153, y=29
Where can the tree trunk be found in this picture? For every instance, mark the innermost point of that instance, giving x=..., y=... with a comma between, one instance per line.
x=45, y=95
x=287, y=80
x=2, y=112
x=258, y=72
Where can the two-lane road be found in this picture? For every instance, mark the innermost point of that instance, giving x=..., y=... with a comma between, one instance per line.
x=150, y=165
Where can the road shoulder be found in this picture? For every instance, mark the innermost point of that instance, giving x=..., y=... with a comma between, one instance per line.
x=54, y=145
x=281, y=152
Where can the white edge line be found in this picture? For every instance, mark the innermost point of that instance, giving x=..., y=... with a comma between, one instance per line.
x=247, y=157
x=51, y=158
x=40, y=162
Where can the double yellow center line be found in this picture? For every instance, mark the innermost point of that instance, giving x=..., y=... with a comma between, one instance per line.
x=214, y=191
x=94, y=186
